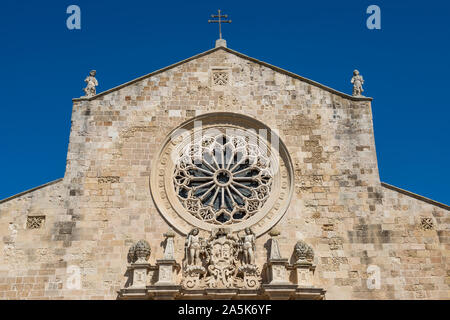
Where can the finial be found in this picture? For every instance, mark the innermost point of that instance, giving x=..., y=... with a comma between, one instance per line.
x=169, y=234
x=274, y=233
x=142, y=251
x=274, y=252
x=220, y=42
x=169, y=251
x=303, y=252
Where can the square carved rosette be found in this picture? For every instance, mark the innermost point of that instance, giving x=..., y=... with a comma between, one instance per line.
x=35, y=222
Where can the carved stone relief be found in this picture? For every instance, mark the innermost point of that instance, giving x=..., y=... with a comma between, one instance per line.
x=226, y=261
x=35, y=222
x=220, y=77
x=221, y=262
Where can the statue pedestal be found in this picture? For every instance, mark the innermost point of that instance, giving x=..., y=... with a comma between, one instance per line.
x=221, y=43
x=139, y=275
x=165, y=288
x=304, y=273
x=166, y=272
x=279, y=287
x=276, y=269
x=305, y=290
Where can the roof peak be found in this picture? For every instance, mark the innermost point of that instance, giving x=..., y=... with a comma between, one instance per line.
x=221, y=43
x=241, y=55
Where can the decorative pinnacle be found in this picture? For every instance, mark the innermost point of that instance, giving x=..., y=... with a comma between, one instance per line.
x=274, y=232
x=169, y=234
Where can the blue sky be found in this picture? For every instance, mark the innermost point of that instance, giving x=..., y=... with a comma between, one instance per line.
x=405, y=65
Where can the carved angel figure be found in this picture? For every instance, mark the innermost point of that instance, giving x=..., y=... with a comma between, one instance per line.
x=193, y=248
x=91, y=82
x=357, y=82
x=248, y=246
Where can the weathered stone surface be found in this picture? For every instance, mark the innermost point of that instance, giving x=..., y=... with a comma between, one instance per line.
x=339, y=207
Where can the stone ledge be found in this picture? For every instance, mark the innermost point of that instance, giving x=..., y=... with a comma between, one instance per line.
x=416, y=196
x=31, y=190
x=310, y=293
x=267, y=292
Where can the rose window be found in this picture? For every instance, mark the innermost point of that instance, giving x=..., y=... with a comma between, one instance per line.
x=223, y=179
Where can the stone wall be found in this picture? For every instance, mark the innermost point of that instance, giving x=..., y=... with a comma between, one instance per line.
x=31, y=260
x=339, y=207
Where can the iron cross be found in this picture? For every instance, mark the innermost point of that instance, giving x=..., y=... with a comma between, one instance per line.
x=220, y=21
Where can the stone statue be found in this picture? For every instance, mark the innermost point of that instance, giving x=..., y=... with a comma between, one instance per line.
x=303, y=253
x=193, y=248
x=248, y=246
x=91, y=82
x=357, y=82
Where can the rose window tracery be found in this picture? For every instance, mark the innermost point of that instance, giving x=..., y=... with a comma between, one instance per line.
x=223, y=179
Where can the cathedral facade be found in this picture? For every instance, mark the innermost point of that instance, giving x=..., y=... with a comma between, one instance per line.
x=222, y=176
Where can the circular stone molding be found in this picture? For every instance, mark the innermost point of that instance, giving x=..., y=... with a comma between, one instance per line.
x=222, y=170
